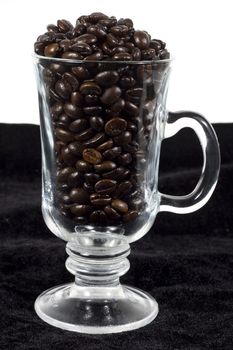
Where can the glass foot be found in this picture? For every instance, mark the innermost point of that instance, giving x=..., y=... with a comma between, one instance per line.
x=96, y=310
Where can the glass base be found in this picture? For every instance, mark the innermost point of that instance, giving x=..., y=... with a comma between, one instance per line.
x=96, y=310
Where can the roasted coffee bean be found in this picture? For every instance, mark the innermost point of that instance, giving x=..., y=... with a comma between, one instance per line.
x=97, y=30
x=91, y=100
x=57, y=109
x=106, y=49
x=80, y=72
x=131, y=147
x=109, y=22
x=80, y=29
x=106, y=145
x=96, y=123
x=88, y=187
x=65, y=44
x=112, y=153
x=51, y=50
x=114, y=174
x=107, y=78
x=112, y=40
x=79, y=196
x=64, y=135
x=96, y=56
x=122, y=56
x=64, y=25
x=57, y=68
x=98, y=217
x=78, y=125
x=119, y=205
x=83, y=48
x=92, y=110
x=96, y=17
x=123, y=139
x=67, y=156
x=72, y=110
x=83, y=166
x=76, y=148
x=105, y=186
x=63, y=121
x=100, y=200
x=76, y=98
x=65, y=198
x=39, y=48
x=54, y=96
x=63, y=174
x=90, y=88
x=91, y=178
x=163, y=54
x=87, y=39
x=136, y=54
x=141, y=39
x=63, y=88
x=84, y=135
x=75, y=179
x=71, y=55
x=52, y=28
x=119, y=49
x=105, y=166
x=96, y=140
x=80, y=210
x=132, y=127
x=112, y=213
x=149, y=54
x=131, y=109
x=111, y=95
x=119, y=30
x=127, y=82
x=130, y=216
x=72, y=80
x=124, y=159
x=115, y=126
x=92, y=156
x=118, y=106
x=123, y=189
x=134, y=95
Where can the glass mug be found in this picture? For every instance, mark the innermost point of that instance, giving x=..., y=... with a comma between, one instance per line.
x=102, y=124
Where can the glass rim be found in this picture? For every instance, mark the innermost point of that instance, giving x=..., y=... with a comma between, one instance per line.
x=38, y=58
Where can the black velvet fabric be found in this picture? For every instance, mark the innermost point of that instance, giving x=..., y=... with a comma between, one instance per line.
x=185, y=261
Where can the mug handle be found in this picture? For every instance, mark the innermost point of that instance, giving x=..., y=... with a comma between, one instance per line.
x=211, y=163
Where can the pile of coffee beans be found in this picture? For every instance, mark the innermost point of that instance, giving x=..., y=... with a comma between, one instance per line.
x=102, y=114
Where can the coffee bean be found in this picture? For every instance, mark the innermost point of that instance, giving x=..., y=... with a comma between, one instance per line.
x=57, y=109
x=67, y=156
x=91, y=178
x=97, y=30
x=127, y=82
x=106, y=145
x=71, y=55
x=78, y=125
x=111, y=95
x=115, y=126
x=119, y=49
x=87, y=39
x=130, y=216
x=64, y=135
x=134, y=95
x=72, y=110
x=89, y=87
x=52, y=28
x=65, y=44
x=123, y=189
x=141, y=39
x=72, y=80
x=119, y=30
x=95, y=140
x=97, y=16
x=112, y=153
x=105, y=186
x=92, y=156
x=88, y=187
x=84, y=135
x=149, y=54
x=112, y=213
x=98, y=217
x=96, y=123
x=119, y=205
x=92, y=110
x=124, y=138
x=122, y=56
x=54, y=96
x=80, y=210
x=57, y=68
x=75, y=179
x=65, y=198
x=63, y=121
x=51, y=50
x=79, y=196
x=107, y=78
x=96, y=56
x=80, y=72
x=63, y=88
x=76, y=99
x=91, y=100
x=83, y=166
x=124, y=159
x=76, y=148
x=131, y=109
x=83, y=48
x=62, y=175
x=64, y=25
x=114, y=174
x=105, y=166
x=79, y=29
x=118, y=106
x=136, y=54
x=100, y=200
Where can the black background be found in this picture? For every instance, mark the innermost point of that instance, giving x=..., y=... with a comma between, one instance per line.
x=185, y=261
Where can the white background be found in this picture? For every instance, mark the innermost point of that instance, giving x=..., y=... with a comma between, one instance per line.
x=198, y=33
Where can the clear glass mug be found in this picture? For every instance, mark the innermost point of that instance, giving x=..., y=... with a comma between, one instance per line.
x=102, y=124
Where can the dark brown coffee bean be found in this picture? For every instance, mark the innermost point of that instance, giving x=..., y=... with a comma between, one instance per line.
x=80, y=29
x=63, y=121
x=98, y=217
x=112, y=40
x=131, y=147
x=63, y=88
x=123, y=189
x=118, y=106
x=51, y=50
x=163, y=54
x=119, y=49
x=64, y=25
x=124, y=159
x=65, y=44
x=39, y=48
x=91, y=178
x=112, y=213
x=72, y=80
x=130, y=216
x=83, y=166
x=83, y=48
x=91, y=100
x=80, y=210
x=106, y=145
x=96, y=56
x=80, y=72
x=71, y=55
x=84, y=135
x=122, y=56
x=90, y=88
x=87, y=39
x=114, y=174
x=106, y=49
x=92, y=110
x=62, y=175
x=65, y=198
x=95, y=140
x=54, y=96
x=148, y=54
x=67, y=156
x=89, y=187
x=100, y=199
x=72, y=110
x=96, y=123
x=57, y=109
x=111, y=95
x=64, y=135
x=52, y=28
x=79, y=196
x=112, y=153
x=97, y=16
x=134, y=95
x=76, y=98
x=107, y=78
x=127, y=82
x=141, y=39
x=124, y=138
x=75, y=179
x=131, y=109
x=97, y=30
x=136, y=54
x=92, y=156
x=157, y=44
x=105, y=186
x=132, y=127
x=115, y=126
x=108, y=22
x=76, y=148
x=119, y=30
x=78, y=125
x=57, y=68
x=105, y=166
x=119, y=205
